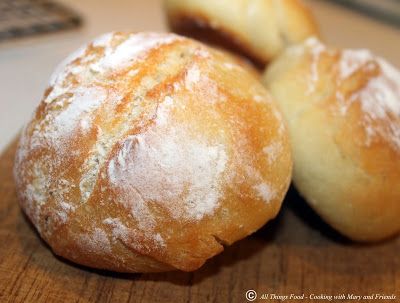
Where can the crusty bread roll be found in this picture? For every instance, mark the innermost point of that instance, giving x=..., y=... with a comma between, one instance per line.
x=149, y=152
x=343, y=110
x=257, y=29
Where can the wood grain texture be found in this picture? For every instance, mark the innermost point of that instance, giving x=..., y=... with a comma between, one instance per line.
x=296, y=253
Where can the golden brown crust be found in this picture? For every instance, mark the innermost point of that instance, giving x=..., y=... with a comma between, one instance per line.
x=256, y=30
x=149, y=152
x=343, y=108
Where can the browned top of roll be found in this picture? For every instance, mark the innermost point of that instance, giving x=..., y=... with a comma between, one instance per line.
x=148, y=152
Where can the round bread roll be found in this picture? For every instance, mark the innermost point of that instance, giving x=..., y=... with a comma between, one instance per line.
x=256, y=29
x=343, y=110
x=149, y=152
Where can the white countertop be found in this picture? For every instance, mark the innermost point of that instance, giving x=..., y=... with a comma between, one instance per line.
x=26, y=65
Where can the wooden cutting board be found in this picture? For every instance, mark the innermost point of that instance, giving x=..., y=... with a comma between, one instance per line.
x=294, y=254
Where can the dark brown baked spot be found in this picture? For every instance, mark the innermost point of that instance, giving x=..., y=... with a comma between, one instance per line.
x=199, y=27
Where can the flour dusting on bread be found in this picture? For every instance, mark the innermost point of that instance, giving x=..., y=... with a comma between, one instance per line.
x=273, y=151
x=120, y=232
x=135, y=154
x=379, y=97
x=352, y=60
x=265, y=192
x=316, y=49
x=130, y=50
x=96, y=242
x=377, y=91
x=170, y=167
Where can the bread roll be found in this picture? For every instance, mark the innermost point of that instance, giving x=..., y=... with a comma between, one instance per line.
x=257, y=29
x=343, y=110
x=149, y=152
